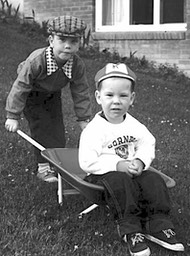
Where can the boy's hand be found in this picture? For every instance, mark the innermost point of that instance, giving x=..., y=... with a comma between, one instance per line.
x=11, y=125
x=123, y=166
x=132, y=168
x=136, y=167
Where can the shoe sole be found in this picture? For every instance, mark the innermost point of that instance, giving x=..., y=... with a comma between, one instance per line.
x=145, y=252
x=173, y=247
x=51, y=180
x=46, y=179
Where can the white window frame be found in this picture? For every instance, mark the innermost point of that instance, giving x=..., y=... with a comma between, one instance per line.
x=156, y=26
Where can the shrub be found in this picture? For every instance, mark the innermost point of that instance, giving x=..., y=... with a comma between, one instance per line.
x=8, y=12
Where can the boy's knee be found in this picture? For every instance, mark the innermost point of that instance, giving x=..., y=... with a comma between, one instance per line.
x=152, y=175
x=153, y=179
x=123, y=177
x=117, y=179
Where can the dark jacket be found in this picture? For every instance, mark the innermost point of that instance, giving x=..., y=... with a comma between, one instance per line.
x=33, y=77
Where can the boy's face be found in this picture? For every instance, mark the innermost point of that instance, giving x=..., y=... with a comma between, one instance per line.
x=115, y=98
x=63, y=47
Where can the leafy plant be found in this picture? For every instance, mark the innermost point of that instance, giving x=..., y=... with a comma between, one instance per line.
x=86, y=39
x=7, y=11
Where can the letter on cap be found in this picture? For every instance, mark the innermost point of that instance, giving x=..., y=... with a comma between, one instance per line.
x=111, y=67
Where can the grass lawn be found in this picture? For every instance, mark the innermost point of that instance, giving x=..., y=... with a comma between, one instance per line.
x=31, y=222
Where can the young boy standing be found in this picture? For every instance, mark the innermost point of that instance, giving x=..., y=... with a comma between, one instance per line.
x=37, y=90
x=116, y=151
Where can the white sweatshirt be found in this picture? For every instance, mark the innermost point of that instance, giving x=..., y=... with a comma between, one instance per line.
x=103, y=144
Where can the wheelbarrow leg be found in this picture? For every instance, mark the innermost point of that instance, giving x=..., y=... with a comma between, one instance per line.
x=59, y=190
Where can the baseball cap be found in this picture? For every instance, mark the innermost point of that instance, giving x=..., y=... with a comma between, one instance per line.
x=114, y=70
x=69, y=26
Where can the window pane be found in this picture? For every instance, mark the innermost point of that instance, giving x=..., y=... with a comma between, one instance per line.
x=107, y=15
x=141, y=11
x=171, y=11
x=113, y=12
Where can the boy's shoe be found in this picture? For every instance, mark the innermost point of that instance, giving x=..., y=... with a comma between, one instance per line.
x=136, y=244
x=47, y=174
x=167, y=239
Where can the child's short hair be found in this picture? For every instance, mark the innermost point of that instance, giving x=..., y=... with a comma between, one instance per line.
x=68, y=26
x=115, y=70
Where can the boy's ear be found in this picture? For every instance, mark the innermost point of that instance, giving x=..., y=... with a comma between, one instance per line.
x=50, y=39
x=97, y=96
x=132, y=98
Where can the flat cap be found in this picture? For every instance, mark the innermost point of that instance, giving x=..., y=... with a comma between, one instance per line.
x=69, y=26
x=114, y=70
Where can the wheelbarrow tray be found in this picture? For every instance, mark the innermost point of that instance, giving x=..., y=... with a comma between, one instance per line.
x=66, y=160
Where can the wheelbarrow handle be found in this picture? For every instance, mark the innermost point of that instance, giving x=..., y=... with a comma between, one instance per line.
x=29, y=139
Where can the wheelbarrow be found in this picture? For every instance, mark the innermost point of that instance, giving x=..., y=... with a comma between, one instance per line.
x=66, y=161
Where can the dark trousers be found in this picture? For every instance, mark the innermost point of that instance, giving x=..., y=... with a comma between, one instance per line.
x=43, y=112
x=137, y=202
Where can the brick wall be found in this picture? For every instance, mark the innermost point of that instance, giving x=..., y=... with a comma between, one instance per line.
x=166, y=51
x=45, y=9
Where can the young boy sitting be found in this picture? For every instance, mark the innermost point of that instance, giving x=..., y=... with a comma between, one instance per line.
x=116, y=150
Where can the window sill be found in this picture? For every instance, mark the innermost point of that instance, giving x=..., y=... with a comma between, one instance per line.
x=178, y=35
